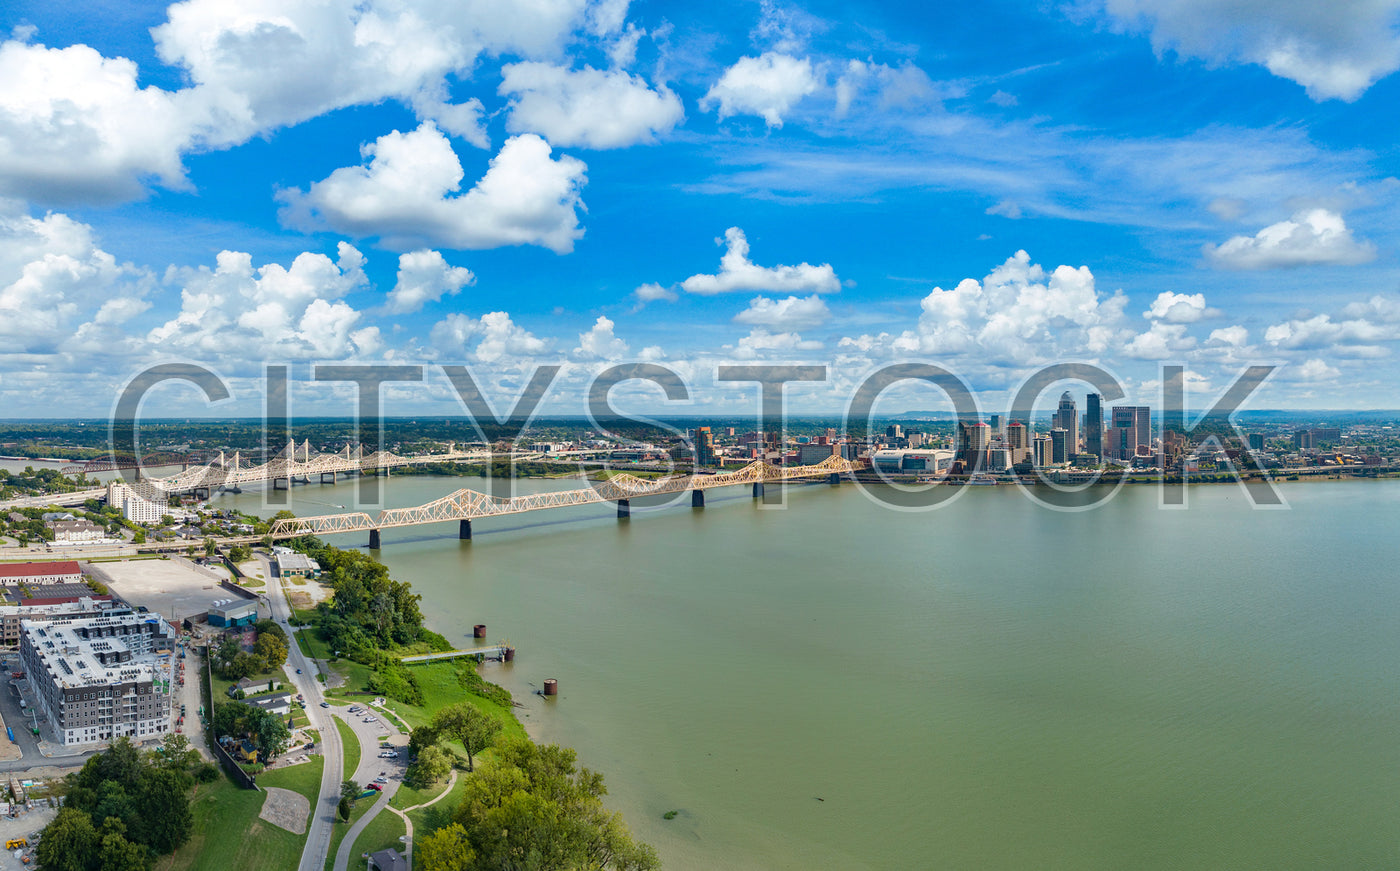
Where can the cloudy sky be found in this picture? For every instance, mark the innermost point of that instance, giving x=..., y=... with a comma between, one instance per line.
x=992, y=186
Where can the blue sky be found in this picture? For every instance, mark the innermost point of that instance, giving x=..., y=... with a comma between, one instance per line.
x=993, y=187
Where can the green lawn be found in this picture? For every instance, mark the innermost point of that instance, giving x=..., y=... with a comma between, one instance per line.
x=228, y=836
x=304, y=778
x=341, y=829
x=407, y=796
x=351, y=748
x=382, y=833
x=441, y=688
x=429, y=819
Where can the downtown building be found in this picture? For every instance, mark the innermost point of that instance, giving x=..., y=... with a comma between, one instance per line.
x=1132, y=429
x=99, y=678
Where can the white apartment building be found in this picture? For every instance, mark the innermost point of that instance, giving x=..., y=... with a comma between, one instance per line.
x=136, y=507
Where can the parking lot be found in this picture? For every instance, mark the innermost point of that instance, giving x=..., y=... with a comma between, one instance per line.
x=172, y=588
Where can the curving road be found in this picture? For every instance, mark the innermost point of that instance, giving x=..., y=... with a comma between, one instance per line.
x=318, y=833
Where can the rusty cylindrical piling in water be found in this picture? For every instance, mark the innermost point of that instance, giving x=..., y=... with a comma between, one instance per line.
x=551, y=687
x=508, y=654
x=479, y=630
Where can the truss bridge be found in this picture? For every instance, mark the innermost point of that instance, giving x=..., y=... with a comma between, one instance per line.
x=467, y=505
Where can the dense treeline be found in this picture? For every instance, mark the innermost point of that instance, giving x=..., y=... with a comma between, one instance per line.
x=533, y=808
x=265, y=729
x=124, y=808
x=369, y=617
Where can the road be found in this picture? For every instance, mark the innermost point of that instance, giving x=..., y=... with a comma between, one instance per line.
x=318, y=833
x=371, y=766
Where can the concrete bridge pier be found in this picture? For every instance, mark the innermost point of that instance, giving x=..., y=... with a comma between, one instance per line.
x=464, y=529
x=281, y=483
x=234, y=489
x=624, y=509
x=697, y=498
x=374, y=541
x=201, y=493
x=758, y=489
x=323, y=477
x=301, y=480
x=833, y=479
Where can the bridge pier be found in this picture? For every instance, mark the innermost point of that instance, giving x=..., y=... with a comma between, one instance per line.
x=464, y=529
x=697, y=498
x=624, y=509
x=201, y=490
x=324, y=474
x=834, y=479
x=758, y=489
x=281, y=483
x=374, y=541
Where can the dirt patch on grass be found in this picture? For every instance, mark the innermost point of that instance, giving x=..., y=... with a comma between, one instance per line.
x=286, y=810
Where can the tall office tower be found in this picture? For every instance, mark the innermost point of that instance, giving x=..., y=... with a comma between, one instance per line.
x=996, y=424
x=1256, y=441
x=1043, y=451
x=1059, y=445
x=1017, y=440
x=704, y=447
x=894, y=431
x=1093, y=425
x=1135, y=423
x=1067, y=419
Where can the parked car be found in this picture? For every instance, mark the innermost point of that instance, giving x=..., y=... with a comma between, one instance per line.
x=298, y=671
x=374, y=786
x=325, y=704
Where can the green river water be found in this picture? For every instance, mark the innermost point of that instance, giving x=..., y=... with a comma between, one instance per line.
x=990, y=685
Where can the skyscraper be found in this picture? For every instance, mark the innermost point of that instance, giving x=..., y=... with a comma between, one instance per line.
x=1059, y=445
x=1132, y=426
x=1067, y=419
x=1017, y=440
x=1043, y=452
x=704, y=447
x=1093, y=425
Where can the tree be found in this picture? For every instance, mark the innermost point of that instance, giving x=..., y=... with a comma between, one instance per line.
x=432, y=765
x=534, y=802
x=209, y=547
x=349, y=791
x=115, y=852
x=469, y=724
x=271, y=734
x=447, y=849
x=69, y=842
x=271, y=649
x=165, y=821
x=240, y=553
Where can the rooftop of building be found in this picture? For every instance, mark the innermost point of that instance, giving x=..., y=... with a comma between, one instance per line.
x=34, y=570
x=71, y=660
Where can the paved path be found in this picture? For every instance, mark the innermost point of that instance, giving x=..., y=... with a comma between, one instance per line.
x=408, y=823
x=342, y=856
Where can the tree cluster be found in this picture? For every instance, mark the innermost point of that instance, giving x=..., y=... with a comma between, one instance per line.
x=232, y=662
x=124, y=808
x=370, y=610
x=265, y=729
x=533, y=808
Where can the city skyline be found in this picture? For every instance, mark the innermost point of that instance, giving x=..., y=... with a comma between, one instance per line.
x=991, y=189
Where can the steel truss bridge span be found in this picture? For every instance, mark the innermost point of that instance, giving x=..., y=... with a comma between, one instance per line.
x=467, y=505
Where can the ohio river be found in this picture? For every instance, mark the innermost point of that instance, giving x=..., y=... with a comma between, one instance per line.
x=989, y=685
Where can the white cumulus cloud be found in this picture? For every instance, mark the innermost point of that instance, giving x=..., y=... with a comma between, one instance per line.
x=600, y=342
x=588, y=107
x=768, y=86
x=75, y=126
x=1335, y=50
x=497, y=338
x=793, y=313
x=1309, y=238
x=737, y=272
x=424, y=277
x=406, y=195
x=1179, y=308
